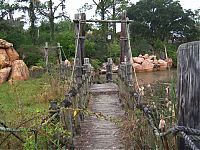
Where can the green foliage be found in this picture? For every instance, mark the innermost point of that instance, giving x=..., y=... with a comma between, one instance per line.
x=67, y=40
x=90, y=48
x=159, y=19
x=96, y=63
x=141, y=46
x=114, y=50
x=14, y=33
x=172, y=53
x=32, y=54
x=158, y=45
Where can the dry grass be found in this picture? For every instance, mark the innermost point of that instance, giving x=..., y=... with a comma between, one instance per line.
x=136, y=131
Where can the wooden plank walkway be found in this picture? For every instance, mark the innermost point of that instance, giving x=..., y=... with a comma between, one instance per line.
x=98, y=133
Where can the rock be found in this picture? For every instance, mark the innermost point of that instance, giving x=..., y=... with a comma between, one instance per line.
x=5, y=44
x=146, y=56
x=138, y=67
x=12, y=54
x=4, y=59
x=36, y=68
x=155, y=61
x=162, y=62
x=19, y=71
x=152, y=57
x=4, y=74
x=67, y=62
x=147, y=66
x=138, y=60
x=140, y=56
x=169, y=62
x=149, y=60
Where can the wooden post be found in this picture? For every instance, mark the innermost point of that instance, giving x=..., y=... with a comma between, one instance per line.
x=60, y=61
x=109, y=70
x=188, y=90
x=126, y=54
x=46, y=55
x=123, y=37
x=59, y=53
x=80, y=34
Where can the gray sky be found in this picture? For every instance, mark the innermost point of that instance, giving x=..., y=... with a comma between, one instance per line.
x=73, y=5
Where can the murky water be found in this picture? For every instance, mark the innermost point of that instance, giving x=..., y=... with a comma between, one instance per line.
x=150, y=77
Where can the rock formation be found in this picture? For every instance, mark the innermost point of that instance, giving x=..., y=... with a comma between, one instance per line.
x=11, y=68
x=147, y=63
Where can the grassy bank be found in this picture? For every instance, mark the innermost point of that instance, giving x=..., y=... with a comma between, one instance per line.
x=26, y=103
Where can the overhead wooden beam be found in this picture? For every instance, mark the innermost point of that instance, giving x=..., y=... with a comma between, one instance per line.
x=103, y=21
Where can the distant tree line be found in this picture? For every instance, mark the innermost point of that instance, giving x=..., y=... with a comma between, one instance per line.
x=157, y=23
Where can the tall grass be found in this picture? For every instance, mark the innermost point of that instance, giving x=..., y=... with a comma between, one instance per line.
x=160, y=97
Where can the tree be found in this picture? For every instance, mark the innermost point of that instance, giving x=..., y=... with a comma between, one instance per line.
x=110, y=9
x=30, y=6
x=7, y=10
x=49, y=10
x=160, y=19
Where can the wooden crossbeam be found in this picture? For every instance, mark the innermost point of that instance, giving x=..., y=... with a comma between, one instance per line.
x=103, y=21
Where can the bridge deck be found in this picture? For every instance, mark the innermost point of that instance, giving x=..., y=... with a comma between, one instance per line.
x=98, y=133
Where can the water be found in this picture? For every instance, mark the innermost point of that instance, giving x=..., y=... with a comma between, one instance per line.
x=150, y=77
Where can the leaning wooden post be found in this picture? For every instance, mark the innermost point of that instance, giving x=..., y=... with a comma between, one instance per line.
x=188, y=90
x=46, y=55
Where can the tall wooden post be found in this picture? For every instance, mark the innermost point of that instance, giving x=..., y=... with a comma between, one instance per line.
x=80, y=34
x=188, y=90
x=123, y=37
x=46, y=55
x=126, y=54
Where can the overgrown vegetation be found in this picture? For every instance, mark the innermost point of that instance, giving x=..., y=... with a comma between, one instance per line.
x=160, y=97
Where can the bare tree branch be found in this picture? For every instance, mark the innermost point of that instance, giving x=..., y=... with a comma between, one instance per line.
x=56, y=7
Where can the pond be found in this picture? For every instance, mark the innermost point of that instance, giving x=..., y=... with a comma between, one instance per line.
x=150, y=77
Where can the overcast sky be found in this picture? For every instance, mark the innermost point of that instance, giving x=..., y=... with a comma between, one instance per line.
x=73, y=5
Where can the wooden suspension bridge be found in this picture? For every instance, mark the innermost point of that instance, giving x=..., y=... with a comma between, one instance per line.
x=91, y=112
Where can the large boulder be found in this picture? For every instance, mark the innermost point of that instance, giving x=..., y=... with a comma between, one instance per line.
x=137, y=67
x=4, y=44
x=138, y=60
x=162, y=64
x=19, y=71
x=4, y=74
x=152, y=57
x=4, y=59
x=149, y=60
x=147, y=66
x=12, y=54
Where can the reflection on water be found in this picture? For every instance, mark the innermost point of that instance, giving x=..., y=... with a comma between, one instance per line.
x=150, y=77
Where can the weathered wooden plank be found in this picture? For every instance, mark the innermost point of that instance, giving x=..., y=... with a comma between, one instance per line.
x=188, y=90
